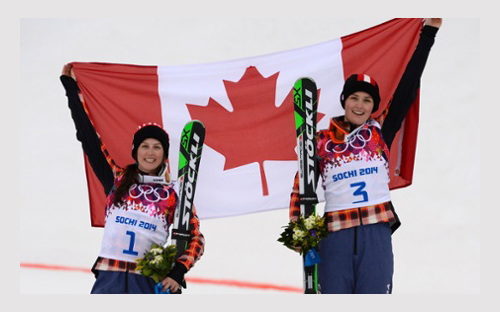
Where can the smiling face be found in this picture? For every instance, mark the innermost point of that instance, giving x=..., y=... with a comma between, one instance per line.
x=150, y=155
x=358, y=108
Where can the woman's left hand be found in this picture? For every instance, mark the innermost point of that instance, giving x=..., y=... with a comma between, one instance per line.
x=169, y=283
x=68, y=71
x=436, y=22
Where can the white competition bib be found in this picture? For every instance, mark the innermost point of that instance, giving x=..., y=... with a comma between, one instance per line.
x=356, y=174
x=356, y=184
x=128, y=234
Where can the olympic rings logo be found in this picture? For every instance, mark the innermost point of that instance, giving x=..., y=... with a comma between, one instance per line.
x=150, y=193
x=356, y=140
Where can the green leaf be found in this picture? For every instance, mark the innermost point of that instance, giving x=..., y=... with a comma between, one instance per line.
x=155, y=278
x=146, y=272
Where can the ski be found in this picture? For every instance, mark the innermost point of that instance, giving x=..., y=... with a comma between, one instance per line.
x=192, y=138
x=305, y=107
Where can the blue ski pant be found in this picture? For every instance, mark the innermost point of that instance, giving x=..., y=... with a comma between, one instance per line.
x=109, y=282
x=357, y=260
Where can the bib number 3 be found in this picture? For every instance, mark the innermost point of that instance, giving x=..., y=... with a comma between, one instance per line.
x=359, y=190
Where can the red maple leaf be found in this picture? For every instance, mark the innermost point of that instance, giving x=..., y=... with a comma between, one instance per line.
x=256, y=130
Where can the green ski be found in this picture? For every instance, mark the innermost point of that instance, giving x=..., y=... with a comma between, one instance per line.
x=192, y=138
x=305, y=107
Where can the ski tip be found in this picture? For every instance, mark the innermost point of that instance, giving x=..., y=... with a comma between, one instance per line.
x=305, y=78
x=196, y=121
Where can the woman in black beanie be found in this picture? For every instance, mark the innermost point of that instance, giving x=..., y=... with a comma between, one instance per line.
x=357, y=257
x=140, y=204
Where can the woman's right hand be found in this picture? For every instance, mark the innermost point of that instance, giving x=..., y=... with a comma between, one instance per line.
x=297, y=249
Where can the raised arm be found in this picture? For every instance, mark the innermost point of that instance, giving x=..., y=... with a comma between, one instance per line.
x=85, y=132
x=407, y=89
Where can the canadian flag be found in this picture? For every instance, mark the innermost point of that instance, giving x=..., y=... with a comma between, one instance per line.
x=249, y=159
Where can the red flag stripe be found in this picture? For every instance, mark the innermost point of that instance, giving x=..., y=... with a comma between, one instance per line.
x=138, y=90
x=369, y=52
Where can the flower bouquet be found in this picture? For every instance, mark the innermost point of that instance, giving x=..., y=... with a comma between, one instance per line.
x=305, y=235
x=157, y=263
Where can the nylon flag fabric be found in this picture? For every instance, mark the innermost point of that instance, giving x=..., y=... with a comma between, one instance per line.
x=249, y=159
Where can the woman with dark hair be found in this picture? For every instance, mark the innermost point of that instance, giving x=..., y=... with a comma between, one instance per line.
x=140, y=204
x=357, y=257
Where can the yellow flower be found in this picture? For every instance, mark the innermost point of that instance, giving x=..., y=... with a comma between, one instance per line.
x=309, y=222
x=156, y=251
x=298, y=234
x=157, y=260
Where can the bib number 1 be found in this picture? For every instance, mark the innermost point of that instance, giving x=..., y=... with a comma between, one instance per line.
x=130, y=250
x=359, y=191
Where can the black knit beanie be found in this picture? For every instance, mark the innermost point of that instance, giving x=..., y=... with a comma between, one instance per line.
x=364, y=83
x=147, y=131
